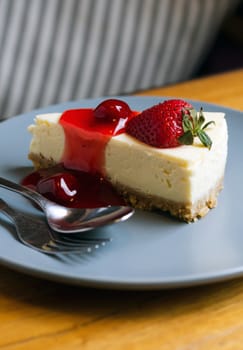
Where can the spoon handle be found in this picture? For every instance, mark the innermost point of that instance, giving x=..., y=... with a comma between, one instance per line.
x=12, y=214
x=25, y=191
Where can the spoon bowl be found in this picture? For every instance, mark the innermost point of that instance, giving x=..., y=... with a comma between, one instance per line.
x=71, y=220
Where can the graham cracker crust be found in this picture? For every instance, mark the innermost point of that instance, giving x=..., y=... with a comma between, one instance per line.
x=40, y=162
x=183, y=211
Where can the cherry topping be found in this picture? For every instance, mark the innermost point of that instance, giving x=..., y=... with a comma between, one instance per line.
x=112, y=110
x=61, y=187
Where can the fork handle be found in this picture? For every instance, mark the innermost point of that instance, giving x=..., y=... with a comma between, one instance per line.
x=22, y=190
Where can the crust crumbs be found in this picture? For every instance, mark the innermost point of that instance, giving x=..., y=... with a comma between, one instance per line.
x=40, y=162
x=183, y=211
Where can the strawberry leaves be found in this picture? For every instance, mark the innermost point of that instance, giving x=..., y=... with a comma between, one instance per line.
x=193, y=126
x=171, y=123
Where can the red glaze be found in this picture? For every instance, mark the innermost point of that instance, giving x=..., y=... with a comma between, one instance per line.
x=86, y=139
x=79, y=181
x=73, y=188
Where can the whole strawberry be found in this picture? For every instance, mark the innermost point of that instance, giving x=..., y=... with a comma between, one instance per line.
x=169, y=124
x=161, y=125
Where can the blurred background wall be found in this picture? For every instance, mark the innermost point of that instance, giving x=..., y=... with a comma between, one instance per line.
x=227, y=52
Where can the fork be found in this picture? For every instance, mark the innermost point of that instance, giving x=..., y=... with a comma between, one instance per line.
x=35, y=233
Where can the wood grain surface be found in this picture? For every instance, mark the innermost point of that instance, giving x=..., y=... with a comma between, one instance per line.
x=223, y=89
x=39, y=314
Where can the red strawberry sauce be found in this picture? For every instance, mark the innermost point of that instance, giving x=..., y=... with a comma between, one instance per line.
x=86, y=139
x=73, y=188
x=78, y=181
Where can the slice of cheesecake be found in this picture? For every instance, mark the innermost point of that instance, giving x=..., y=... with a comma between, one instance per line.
x=183, y=180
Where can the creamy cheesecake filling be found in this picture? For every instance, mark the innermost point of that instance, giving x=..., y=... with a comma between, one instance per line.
x=186, y=211
x=181, y=174
x=184, y=180
x=48, y=139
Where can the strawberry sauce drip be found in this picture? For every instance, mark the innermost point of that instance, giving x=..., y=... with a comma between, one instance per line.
x=86, y=139
x=73, y=188
x=79, y=180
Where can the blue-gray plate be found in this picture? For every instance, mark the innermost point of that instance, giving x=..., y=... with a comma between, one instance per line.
x=149, y=251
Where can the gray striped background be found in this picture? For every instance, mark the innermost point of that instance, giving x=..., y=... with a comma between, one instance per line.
x=58, y=50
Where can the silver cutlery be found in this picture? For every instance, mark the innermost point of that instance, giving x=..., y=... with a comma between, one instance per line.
x=71, y=220
x=35, y=233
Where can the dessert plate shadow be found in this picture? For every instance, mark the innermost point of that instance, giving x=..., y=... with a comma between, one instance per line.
x=149, y=251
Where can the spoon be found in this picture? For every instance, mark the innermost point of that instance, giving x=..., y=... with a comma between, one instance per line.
x=71, y=220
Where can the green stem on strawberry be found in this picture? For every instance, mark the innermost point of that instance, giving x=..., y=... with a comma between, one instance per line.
x=193, y=126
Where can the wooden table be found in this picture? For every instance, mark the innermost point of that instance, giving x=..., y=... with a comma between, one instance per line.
x=37, y=314
x=223, y=89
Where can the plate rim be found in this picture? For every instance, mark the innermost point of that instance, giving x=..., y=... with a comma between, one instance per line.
x=168, y=283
